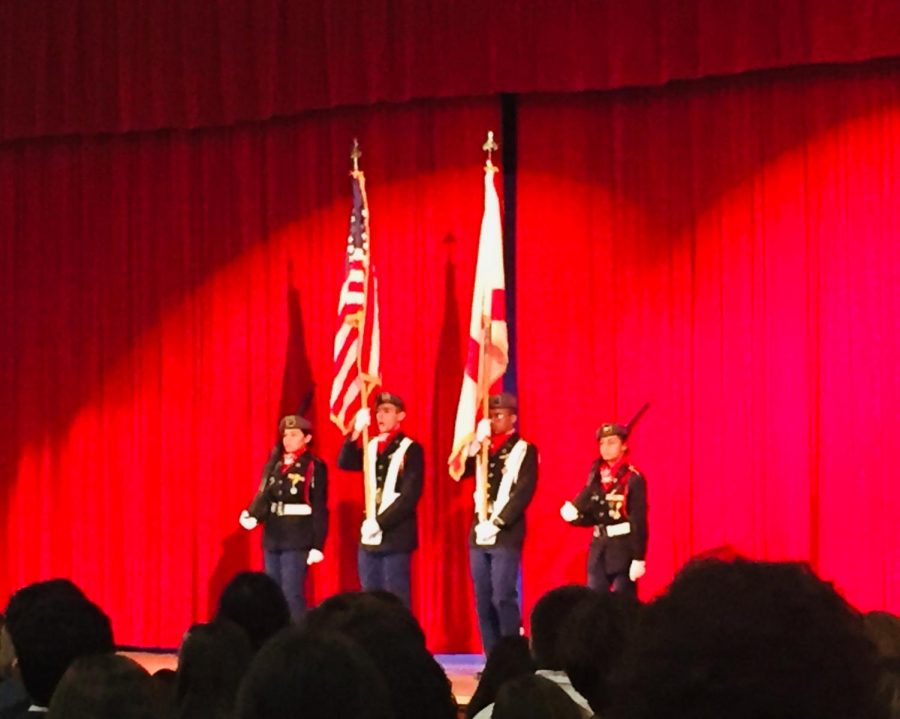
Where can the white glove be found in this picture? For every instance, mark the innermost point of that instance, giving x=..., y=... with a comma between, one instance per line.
x=568, y=512
x=314, y=557
x=486, y=532
x=637, y=569
x=482, y=432
x=370, y=529
x=246, y=521
x=362, y=420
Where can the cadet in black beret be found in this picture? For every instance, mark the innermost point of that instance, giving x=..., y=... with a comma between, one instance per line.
x=391, y=399
x=504, y=400
x=396, y=466
x=498, y=530
x=294, y=421
x=292, y=504
x=612, y=430
x=614, y=503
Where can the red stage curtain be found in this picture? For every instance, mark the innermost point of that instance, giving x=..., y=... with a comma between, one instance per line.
x=727, y=251
x=165, y=297
x=89, y=66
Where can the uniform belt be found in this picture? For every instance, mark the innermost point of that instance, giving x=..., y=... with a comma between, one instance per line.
x=612, y=530
x=281, y=509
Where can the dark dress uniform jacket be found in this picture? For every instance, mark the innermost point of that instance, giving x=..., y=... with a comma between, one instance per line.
x=309, y=476
x=594, y=510
x=512, y=517
x=399, y=529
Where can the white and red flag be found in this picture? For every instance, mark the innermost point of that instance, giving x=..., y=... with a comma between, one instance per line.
x=488, y=348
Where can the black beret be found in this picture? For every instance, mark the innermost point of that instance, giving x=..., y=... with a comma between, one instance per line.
x=504, y=400
x=388, y=398
x=612, y=430
x=294, y=421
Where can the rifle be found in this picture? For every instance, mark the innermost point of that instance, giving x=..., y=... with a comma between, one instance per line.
x=637, y=416
x=591, y=475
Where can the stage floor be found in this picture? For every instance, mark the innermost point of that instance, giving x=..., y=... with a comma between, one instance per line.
x=460, y=668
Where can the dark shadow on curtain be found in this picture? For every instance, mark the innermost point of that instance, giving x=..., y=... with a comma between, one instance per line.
x=234, y=557
x=297, y=380
x=202, y=186
x=296, y=386
x=446, y=591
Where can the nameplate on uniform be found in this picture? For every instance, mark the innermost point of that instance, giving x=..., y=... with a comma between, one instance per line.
x=618, y=530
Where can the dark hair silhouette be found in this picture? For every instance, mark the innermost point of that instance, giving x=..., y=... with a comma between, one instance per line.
x=211, y=664
x=510, y=658
x=534, y=697
x=255, y=602
x=105, y=686
x=593, y=641
x=316, y=675
x=393, y=639
x=547, y=619
x=51, y=624
x=746, y=640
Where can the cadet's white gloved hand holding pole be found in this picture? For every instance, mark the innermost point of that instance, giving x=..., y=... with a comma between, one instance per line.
x=483, y=430
x=362, y=420
x=485, y=532
x=370, y=529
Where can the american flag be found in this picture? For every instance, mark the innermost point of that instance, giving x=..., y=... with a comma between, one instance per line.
x=357, y=347
x=488, y=352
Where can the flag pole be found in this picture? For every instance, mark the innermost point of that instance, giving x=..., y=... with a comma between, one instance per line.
x=359, y=176
x=484, y=387
x=484, y=390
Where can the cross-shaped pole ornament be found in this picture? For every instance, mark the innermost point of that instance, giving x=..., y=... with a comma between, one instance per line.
x=489, y=147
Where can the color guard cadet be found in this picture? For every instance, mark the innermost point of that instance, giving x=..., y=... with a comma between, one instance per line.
x=498, y=530
x=292, y=506
x=395, y=469
x=614, y=503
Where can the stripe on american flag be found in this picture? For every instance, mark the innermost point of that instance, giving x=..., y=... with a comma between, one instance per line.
x=357, y=340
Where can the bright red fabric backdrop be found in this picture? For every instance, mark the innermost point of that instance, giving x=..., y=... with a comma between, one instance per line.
x=147, y=322
x=728, y=251
x=89, y=66
x=725, y=248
